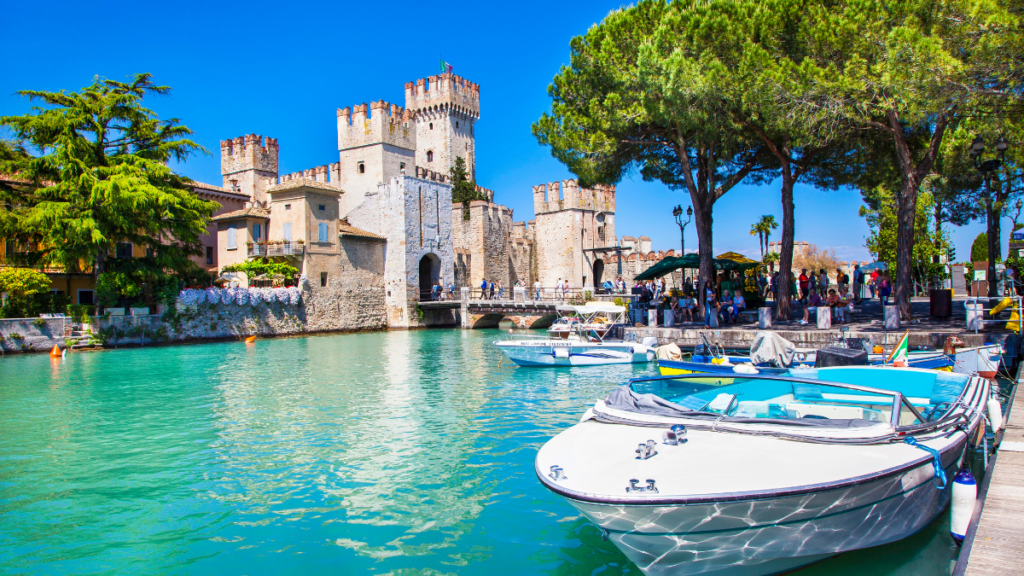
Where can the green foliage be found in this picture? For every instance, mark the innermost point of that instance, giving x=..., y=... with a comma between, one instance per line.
x=882, y=243
x=463, y=189
x=101, y=177
x=39, y=322
x=979, y=248
x=81, y=312
x=20, y=282
x=16, y=336
x=135, y=281
x=261, y=266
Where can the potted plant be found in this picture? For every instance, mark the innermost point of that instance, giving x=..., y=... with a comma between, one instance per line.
x=300, y=241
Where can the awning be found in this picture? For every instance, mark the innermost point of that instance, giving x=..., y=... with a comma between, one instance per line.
x=670, y=264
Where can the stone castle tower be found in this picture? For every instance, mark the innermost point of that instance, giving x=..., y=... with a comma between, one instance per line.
x=570, y=221
x=247, y=162
x=445, y=108
x=374, y=146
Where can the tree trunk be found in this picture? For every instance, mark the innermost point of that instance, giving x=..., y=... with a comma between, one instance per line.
x=992, y=210
x=702, y=207
x=782, y=291
x=906, y=205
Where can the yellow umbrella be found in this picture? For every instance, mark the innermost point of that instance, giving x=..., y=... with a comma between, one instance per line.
x=736, y=257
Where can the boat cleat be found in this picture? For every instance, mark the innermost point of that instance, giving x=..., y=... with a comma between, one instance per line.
x=648, y=450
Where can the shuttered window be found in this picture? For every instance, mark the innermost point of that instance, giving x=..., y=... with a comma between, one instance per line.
x=288, y=232
x=232, y=238
x=322, y=229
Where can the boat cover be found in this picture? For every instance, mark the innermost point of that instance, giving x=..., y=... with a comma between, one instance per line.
x=670, y=352
x=839, y=356
x=770, y=348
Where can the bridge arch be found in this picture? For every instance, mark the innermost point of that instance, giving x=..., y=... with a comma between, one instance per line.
x=544, y=321
x=490, y=320
x=598, y=273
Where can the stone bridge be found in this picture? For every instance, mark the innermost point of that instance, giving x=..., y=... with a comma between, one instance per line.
x=488, y=313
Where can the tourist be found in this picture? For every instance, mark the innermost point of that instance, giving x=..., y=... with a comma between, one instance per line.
x=501, y=290
x=858, y=282
x=873, y=283
x=823, y=282
x=842, y=280
x=490, y=286
x=804, y=286
x=691, y=308
x=726, y=307
x=762, y=285
x=565, y=290
x=774, y=287
x=812, y=282
x=677, y=310
x=738, y=304
x=838, y=306
x=709, y=304
x=884, y=289
x=814, y=304
x=451, y=290
x=536, y=289
x=483, y=289
x=434, y=290
x=558, y=289
x=657, y=290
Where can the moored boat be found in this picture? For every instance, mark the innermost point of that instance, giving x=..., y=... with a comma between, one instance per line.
x=770, y=473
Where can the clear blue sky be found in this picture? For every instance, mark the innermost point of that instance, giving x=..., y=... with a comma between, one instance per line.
x=281, y=70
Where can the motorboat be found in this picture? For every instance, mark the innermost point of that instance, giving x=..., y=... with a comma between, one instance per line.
x=582, y=347
x=769, y=473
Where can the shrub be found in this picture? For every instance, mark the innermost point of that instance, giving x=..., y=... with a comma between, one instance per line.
x=40, y=322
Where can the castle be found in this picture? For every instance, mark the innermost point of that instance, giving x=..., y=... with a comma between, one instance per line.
x=372, y=232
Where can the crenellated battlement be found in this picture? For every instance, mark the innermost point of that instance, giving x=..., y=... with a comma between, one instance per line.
x=379, y=123
x=487, y=192
x=250, y=152
x=425, y=174
x=567, y=195
x=443, y=92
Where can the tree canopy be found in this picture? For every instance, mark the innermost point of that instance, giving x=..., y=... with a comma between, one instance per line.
x=95, y=174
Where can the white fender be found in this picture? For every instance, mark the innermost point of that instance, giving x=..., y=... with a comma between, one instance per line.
x=745, y=369
x=995, y=414
x=965, y=494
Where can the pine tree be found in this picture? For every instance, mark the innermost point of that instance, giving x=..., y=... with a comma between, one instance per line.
x=463, y=190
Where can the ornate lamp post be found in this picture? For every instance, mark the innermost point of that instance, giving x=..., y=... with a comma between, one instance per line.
x=987, y=169
x=678, y=213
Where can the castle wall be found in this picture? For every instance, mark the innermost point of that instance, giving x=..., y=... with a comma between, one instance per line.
x=485, y=238
x=381, y=162
x=570, y=219
x=445, y=108
x=354, y=297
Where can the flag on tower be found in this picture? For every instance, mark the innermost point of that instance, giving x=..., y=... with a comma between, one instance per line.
x=445, y=67
x=899, y=353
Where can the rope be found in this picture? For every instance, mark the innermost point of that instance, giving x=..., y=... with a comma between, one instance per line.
x=940, y=473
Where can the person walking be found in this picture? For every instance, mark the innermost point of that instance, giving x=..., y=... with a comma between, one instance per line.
x=536, y=289
x=873, y=283
x=812, y=282
x=483, y=289
x=884, y=289
x=858, y=282
x=842, y=280
x=491, y=287
x=501, y=290
x=565, y=290
x=823, y=282
x=451, y=290
x=558, y=289
x=433, y=292
x=804, y=286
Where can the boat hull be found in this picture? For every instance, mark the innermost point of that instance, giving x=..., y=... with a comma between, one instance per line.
x=575, y=353
x=773, y=535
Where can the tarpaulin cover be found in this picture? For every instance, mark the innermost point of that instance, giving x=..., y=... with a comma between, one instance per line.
x=770, y=348
x=837, y=356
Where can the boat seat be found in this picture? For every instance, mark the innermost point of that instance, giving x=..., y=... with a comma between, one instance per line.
x=803, y=410
x=722, y=403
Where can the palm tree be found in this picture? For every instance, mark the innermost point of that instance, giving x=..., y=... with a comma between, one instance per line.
x=769, y=224
x=756, y=229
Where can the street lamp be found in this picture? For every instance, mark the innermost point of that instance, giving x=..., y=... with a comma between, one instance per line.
x=987, y=169
x=678, y=213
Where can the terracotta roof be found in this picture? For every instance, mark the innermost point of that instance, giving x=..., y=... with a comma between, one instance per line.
x=302, y=183
x=249, y=212
x=346, y=229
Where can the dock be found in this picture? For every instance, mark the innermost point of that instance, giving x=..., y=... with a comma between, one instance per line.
x=994, y=544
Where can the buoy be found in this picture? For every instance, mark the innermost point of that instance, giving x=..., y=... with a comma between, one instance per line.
x=965, y=494
x=995, y=414
x=250, y=339
x=55, y=353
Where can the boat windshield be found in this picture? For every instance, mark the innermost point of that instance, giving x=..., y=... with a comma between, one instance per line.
x=860, y=393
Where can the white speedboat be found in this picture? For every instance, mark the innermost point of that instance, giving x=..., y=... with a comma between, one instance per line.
x=596, y=317
x=582, y=347
x=770, y=473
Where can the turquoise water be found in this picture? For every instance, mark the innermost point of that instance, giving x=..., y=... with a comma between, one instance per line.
x=397, y=452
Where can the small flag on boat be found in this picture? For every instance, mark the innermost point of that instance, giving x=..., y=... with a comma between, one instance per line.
x=445, y=67
x=899, y=353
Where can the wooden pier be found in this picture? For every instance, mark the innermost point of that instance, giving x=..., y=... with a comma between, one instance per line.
x=994, y=545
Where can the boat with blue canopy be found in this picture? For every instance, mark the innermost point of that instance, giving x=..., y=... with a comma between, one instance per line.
x=767, y=473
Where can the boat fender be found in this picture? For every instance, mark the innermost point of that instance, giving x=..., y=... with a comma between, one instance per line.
x=745, y=369
x=965, y=494
x=650, y=341
x=995, y=414
x=939, y=480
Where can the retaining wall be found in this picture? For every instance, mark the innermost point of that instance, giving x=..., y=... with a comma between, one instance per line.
x=31, y=334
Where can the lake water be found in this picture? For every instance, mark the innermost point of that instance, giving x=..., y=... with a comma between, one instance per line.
x=387, y=453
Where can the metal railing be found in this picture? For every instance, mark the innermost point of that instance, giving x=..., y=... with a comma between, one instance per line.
x=285, y=249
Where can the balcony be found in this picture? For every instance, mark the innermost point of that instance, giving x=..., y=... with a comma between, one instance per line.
x=268, y=250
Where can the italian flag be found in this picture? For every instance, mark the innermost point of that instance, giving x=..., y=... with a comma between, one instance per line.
x=445, y=67
x=899, y=353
